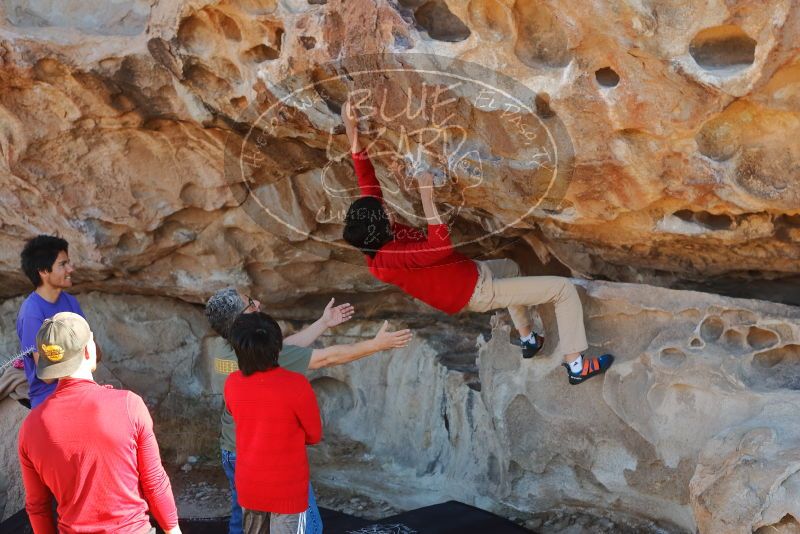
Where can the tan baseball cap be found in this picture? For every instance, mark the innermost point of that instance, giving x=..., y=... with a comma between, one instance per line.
x=60, y=342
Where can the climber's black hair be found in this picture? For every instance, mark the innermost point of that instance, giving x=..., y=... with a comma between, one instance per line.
x=367, y=226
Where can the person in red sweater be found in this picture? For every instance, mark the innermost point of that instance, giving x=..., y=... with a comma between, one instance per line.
x=90, y=447
x=276, y=415
x=429, y=268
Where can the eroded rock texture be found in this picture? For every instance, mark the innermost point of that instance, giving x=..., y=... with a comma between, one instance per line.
x=677, y=124
x=682, y=119
x=693, y=429
x=12, y=494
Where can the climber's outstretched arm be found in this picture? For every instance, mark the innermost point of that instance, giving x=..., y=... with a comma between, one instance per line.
x=350, y=121
x=425, y=186
x=365, y=173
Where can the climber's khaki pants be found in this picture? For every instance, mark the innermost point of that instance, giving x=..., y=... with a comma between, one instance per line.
x=501, y=286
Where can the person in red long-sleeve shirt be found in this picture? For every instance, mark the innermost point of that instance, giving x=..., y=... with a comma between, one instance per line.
x=90, y=447
x=429, y=268
x=276, y=415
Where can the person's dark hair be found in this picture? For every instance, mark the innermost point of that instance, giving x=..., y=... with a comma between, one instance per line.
x=366, y=225
x=39, y=254
x=257, y=341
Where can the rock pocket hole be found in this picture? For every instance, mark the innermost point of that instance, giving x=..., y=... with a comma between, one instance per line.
x=335, y=398
x=308, y=42
x=723, y=47
x=543, y=108
x=776, y=369
x=672, y=357
x=239, y=102
x=696, y=343
x=733, y=339
x=540, y=39
x=760, y=339
x=787, y=221
x=708, y=220
x=229, y=28
x=711, y=329
x=607, y=77
x=261, y=53
x=436, y=18
x=330, y=88
x=787, y=227
x=196, y=35
x=769, y=359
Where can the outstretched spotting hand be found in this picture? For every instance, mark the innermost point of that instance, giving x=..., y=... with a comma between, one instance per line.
x=392, y=340
x=336, y=315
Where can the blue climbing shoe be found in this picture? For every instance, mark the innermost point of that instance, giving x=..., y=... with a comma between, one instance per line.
x=591, y=367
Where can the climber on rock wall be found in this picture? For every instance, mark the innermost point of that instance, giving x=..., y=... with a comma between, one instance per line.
x=429, y=268
x=222, y=309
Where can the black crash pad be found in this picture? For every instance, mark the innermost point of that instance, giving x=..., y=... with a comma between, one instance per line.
x=446, y=518
x=451, y=517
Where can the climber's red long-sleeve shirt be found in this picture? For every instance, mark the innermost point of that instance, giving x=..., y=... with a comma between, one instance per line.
x=427, y=268
x=93, y=449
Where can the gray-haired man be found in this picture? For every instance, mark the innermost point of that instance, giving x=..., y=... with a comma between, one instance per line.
x=222, y=308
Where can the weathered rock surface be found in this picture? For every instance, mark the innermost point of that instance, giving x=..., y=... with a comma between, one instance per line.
x=12, y=495
x=692, y=429
x=678, y=125
x=682, y=120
